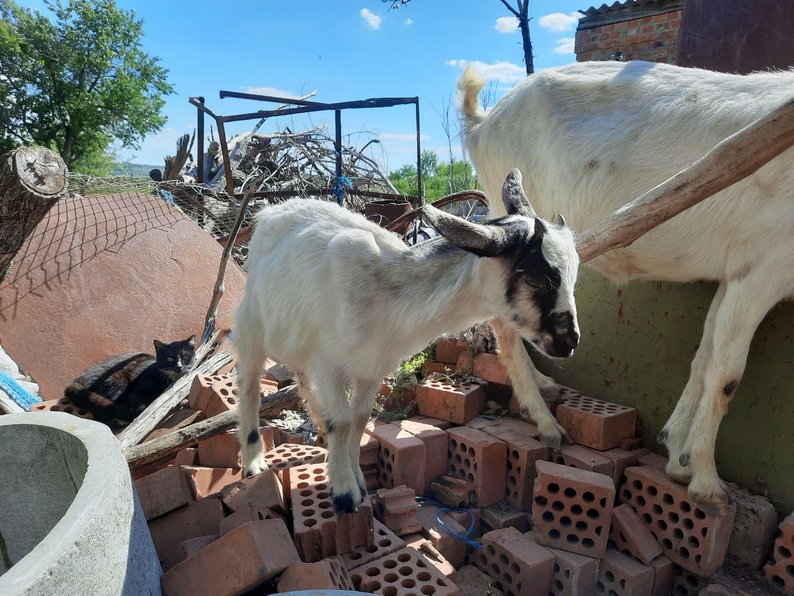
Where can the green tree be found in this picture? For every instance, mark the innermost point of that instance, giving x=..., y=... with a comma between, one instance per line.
x=436, y=179
x=77, y=82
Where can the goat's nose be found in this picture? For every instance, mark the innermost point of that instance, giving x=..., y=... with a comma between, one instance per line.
x=572, y=340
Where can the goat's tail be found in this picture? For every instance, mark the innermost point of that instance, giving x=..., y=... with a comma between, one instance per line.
x=469, y=86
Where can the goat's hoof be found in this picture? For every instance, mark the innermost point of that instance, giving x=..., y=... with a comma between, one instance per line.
x=552, y=440
x=257, y=465
x=344, y=504
x=663, y=435
x=712, y=498
x=677, y=472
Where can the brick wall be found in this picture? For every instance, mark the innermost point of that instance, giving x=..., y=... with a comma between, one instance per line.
x=653, y=38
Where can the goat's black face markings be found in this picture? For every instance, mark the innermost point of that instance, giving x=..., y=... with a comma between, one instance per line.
x=329, y=425
x=730, y=388
x=253, y=437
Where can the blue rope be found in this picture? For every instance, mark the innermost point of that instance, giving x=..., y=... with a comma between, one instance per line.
x=444, y=509
x=167, y=196
x=16, y=392
x=341, y=183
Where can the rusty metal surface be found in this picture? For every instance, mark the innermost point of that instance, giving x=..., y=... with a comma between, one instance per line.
x=741, y=36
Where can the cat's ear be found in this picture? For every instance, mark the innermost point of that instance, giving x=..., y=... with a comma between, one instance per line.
x=191, y=341
x=158, y=345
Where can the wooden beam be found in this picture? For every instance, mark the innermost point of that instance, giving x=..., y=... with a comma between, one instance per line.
x=157, y=449
x=733, y=159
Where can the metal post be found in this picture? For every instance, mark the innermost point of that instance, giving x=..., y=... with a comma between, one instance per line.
x=418, y=157
x=200, y=146
x=227, y=166
x=340, y=197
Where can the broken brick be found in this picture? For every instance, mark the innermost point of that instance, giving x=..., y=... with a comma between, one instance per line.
x=186, y=457
x=204, y=481
x=489, y=368
x=663, y=576
x=451, y=547
x=621, y=459
x=201, y=518
x=263, y=490
x=328, y=574
x=502, y=515
x=480, y=459
x=396, y=508
x=452, y=492
x=522, y=453
x=436, y=445
x=245, y=514
x=286, y=456
x=620, y=574
x=385, y=541
x=449, y=400
x=780, y=569
x=473, y=582
x=754, y=528
x=583, y=458
x=631, y=536
x=574, y=574
x=163, y=491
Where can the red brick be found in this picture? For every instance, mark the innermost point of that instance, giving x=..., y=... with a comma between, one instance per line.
x=663, y=576
x=502, y=515
x=205, y=481
x=385, y=541
x=448, y=350
x=465, y=363
x=319, y=532
x=632, y=536
x=280, y=374
x=179, y=419
x=690, y=537
x=397, y=508
x=282, y=437
x=572, y=509
x=190, y=547
x=198, y=519
x=186, y=457
x=621, y=459
x=432, y=366
x=754, y=529
x=286, y=456
x=473, y=582
x=646, y=457
x=243, y=515
x=522, y=453
x=402, y=457
x=489, y=368
x=620, y=574
x=583, y=458
x=426, y=549
x=436, y=446
x=221, y=451
x=242, y=558
x=517, y=564
x=201, y=389
x=631, y=444
x=687, y=583
x=61, y=405
x=452, y=492
x=448, y=400
x=780, y=569
x=451, y=547
x=442, y=424
x=368, y=450
x=328, y=574
x=481, y=460
x=223, y=396
x=511, y=426
x=394, y=571
x=574, y=575
x=163, y=491
x=263, y=490
x=596, y=423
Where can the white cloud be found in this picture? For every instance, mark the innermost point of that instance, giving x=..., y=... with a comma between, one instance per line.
x=408, y=21
x=506, y=24
x=372, y=20
x=503, y=72
x=398, y=136
x=559, y=21
x=565, y=45
x=272, y=91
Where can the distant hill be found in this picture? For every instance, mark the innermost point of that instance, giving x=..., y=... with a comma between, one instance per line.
x=134, y=169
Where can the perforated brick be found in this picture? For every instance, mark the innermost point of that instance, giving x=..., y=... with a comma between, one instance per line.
x=574, y=575
x=402, y=457
x=400, y=573
x=572, y=509
x=448, y=350
x=318, y=531
x=368, y=450
x=61, y=405
x=480, y=459
x=517, y=564
x=522, y=453
x=425, y=547
x=663, y=576
x=686, y=583
x=447, y=400
x=503, y=515
x=504, y=426
x=436, y=444
x=223, y=396
x=329, y=574
x=385, y=541
x=690, y=537
x=620, y=574
x=596, y=423
x=632, y=536
x=780, y=569
x=438, y=423
x=283, y=458
x=200, y=390
x=621, y=459
x=583, y=458
x=473, y=582
x=452, y=548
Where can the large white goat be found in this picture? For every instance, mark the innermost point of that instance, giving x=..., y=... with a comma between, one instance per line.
x=341, y=301
x=589, y=138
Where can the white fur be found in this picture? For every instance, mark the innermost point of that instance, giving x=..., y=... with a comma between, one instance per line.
x=341, y=302
x=589, y=138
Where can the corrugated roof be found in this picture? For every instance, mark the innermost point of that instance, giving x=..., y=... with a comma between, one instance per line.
x=628, y=9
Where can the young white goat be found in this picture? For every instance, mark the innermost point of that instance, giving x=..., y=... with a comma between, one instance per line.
x=589, y=138
x=341, y=301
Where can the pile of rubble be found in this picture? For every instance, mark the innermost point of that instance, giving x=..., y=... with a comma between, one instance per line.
x=459, y=502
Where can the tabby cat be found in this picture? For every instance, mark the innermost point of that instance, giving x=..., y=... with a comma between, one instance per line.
x=116, y=390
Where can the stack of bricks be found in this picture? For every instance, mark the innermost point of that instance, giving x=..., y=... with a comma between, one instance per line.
x=397, y=509
x=780, y=569
x=369, y=455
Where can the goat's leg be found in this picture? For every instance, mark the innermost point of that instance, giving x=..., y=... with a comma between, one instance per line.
x=677, y=427
x=547, y=386
x=331, y=405
x=250, y=364
x=364, y=393
x=742, y=310
x=519, y=366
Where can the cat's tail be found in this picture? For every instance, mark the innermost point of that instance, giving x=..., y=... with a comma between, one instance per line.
x=103, y=409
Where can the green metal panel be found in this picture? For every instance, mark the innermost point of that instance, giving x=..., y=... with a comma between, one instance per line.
x=637, y=344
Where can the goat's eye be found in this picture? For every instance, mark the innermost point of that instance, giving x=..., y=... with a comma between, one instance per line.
x=169, y=359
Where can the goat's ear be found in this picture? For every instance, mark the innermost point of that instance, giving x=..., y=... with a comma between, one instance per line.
x=482, y=240
x=513, y=196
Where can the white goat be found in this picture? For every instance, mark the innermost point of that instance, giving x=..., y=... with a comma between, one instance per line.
x=341, y=301
x=589, y=138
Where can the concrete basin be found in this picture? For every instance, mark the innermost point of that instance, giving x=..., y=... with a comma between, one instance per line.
x=70, y=521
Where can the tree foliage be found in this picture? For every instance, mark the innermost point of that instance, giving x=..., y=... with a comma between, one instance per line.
x=436, y=179
x=77, y=82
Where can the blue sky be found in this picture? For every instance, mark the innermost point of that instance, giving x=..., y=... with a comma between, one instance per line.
x=345, y=50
